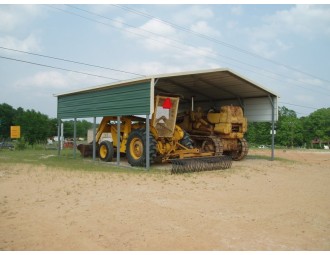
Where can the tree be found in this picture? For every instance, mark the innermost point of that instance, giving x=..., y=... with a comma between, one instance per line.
x=259, y=133
x=7, y=114
x=81, y=128
x=317, y=125
x=289, y=128
x=34, y=125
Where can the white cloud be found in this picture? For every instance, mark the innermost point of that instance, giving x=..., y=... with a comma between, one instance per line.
x=46, y=83
x=154, y=35
x=158, y=67
x=168, y=42
x=12, y=17
x=158, y=27
x=191, y=14
x=30, y=43
x=44, y=80
x=304, y=21
x=263, y=49
x=236, y=10
x=102, y=8
x=203, y=28
x=15, y=22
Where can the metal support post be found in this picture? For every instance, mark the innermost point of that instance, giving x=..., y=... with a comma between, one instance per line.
x=75, y=138
x=147, y=143
x=273, y=126
x=62, y=136
x=118, y=140
x=58, y=137
x=94, y=137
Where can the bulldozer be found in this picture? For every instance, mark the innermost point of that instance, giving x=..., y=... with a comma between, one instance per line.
x=218, y=131
x=168, y=142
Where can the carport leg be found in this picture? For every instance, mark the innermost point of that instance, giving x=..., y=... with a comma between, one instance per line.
x=273, y=126
x=118, y=140
x=74, y=137
x=58, y=137
x=147, y=143
x=273, y=133
x=94, y=136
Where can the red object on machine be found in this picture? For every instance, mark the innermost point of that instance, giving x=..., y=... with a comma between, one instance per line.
x=167, y=103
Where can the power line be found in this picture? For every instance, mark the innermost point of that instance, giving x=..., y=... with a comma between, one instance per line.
x=59, y=68
x=181, y=48
x=71, y=61
x=303, y=106
x=177, y=41
x=147, y=15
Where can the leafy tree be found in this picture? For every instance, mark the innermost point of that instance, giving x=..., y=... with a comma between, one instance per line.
x=317, y=125
x=34, y=125
x=259, y=133
x=53, y=127
x=289, y=128
x=81, y=128
x=7, y=114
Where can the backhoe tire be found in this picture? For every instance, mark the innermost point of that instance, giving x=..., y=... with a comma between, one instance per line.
x=136, y=148
x=186, y=140
x=106, y=151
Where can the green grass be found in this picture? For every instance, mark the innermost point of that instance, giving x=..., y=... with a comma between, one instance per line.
x=65, y=161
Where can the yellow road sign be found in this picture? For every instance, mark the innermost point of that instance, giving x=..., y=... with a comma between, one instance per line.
x=15, y=131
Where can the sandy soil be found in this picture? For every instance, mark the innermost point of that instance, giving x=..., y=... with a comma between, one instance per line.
x=256, y=205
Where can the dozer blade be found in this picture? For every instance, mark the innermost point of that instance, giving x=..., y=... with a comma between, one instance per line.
x=86, y=150
x=189, y=165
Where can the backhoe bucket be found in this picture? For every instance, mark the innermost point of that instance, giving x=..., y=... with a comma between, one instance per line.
x=189, y=165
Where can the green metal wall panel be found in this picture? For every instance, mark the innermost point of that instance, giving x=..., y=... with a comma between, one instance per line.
x=131, y=99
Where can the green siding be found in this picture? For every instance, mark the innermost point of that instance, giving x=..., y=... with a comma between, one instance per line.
x=131, y=99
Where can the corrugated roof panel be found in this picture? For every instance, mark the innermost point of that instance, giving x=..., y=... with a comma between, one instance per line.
x=133, y=97
x=116, y=101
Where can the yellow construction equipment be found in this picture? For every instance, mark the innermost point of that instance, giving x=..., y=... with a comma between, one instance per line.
x=221, y=132
x=167, y=141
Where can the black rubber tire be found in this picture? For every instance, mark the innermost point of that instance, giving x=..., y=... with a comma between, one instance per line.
x=186, y=141
x=106, y=151
x=136, y=148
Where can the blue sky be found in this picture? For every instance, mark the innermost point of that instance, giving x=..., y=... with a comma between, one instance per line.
x=285, y=48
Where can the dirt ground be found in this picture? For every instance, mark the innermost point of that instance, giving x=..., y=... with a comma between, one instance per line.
x=256, y=205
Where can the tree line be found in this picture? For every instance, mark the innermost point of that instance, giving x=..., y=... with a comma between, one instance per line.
x=35, y=126
x=291, y=131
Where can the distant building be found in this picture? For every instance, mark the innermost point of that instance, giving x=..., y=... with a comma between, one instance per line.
x=320, y=143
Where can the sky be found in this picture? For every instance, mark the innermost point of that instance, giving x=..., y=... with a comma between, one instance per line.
x=284, y=48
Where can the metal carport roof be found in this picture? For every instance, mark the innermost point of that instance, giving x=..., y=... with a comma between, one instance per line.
x=219, y=87
x=214, y=87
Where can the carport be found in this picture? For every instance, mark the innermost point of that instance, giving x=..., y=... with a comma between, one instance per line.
x=208, y=88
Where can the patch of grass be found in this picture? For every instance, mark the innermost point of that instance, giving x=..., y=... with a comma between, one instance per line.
x=65, y=161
